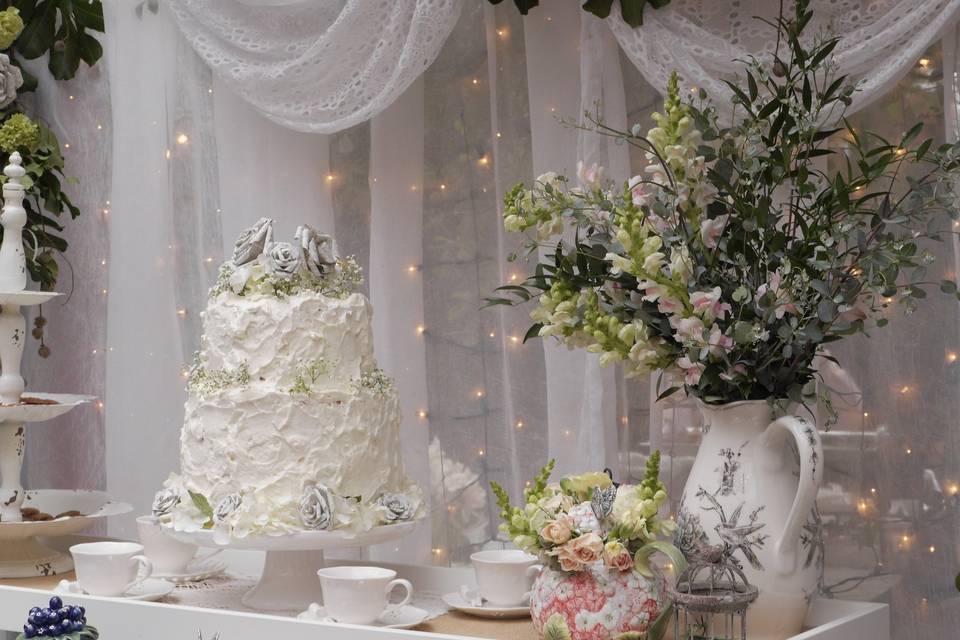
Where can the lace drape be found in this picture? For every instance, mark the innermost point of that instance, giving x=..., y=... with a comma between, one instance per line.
x=701, y=39
x=318, y=66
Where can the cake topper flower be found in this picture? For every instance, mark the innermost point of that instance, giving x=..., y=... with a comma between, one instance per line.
x=282, y=260
x=164, y=502
x=11, y=79
x=252, y=241
x=397, y=507
x=316, y=508
x=319, y=250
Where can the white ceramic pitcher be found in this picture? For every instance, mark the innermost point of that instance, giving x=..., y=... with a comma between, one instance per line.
x=748, y=492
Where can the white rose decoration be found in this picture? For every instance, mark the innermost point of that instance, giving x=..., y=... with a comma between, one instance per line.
x=165, y=501
x=10, y=80
x=252, y=241
x=316, y=508
x=282, y=260
x=319, y=250
x=226, y=507
x=397, y=507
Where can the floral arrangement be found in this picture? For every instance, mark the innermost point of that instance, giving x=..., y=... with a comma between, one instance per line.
x=30, y=29
x=240, y=515
x=261, y=265
x=631, y=10
x=585, y=520
x=734, y=258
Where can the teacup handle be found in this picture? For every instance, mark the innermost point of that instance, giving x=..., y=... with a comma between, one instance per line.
x=532, y=572
x=399, y=582
x=144, y=571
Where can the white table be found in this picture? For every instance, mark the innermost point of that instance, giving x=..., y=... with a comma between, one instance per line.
x=828, y=619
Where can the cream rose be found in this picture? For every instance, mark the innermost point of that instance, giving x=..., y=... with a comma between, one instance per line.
x=616, y=556
x=587, y=548
x=568, y=559
x=557, y=531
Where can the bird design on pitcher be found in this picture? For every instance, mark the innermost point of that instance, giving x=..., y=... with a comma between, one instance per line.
x=737, y=536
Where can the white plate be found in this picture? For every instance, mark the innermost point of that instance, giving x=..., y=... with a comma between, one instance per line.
x=40, y=412
x=196, y=571
x=456, y=601
x=405, y=617
x=93, y=504
x=147, y=591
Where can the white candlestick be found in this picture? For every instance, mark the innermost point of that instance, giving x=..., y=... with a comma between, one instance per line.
x=13, y=265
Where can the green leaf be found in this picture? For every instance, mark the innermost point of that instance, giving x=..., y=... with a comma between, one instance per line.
x=88, y=14
x=599, y=8
x=90, y=49
x=532, y=332
x=201, y=503
x=632, y=11
x=525, y=5
x=641, y=559
x=37, y=36
x=556, y=628
x=948, y=286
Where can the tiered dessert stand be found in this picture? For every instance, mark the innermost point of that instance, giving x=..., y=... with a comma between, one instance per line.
x=289, y=580
x=21, y=554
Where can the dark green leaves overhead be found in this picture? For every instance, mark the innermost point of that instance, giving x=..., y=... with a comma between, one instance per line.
x=60, y=28
x=631, y=10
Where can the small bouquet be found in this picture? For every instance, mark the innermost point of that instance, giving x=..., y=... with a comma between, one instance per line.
x=586, y=520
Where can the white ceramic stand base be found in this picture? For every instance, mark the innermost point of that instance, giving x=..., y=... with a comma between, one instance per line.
x=22, y=555
x=29, y=558
x=289, y=580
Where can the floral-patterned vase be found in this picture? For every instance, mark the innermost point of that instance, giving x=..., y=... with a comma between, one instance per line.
x=597, y=603
x=750, y=495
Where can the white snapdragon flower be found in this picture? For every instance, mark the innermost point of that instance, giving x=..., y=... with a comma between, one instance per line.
x=708, y=304
x=691, y=370
x=590, y=176
x=710, y=230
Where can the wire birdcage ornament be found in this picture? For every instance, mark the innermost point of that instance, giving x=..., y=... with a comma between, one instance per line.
x=711, y=598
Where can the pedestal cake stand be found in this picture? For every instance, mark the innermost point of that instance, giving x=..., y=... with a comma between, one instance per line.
x=289, y=581
x=66, y=512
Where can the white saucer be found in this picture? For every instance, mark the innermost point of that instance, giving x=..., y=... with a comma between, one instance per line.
x=486, y=610
x=403, y=618
x=147, y=591
x=195, y=572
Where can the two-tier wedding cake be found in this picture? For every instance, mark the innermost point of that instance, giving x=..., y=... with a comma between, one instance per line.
x=290, y=426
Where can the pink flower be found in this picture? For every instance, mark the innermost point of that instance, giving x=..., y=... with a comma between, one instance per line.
x=691, y=371
x=688, y=328
x=557, y=531
x=710, y=230
x=616, y=556
x=589, y=176
x=708, y=304
x=669, y=304
x=638, y=191
x=718, y=342
x=568, y=559
x=652, y=291
x=587, y=548
x=737, y=370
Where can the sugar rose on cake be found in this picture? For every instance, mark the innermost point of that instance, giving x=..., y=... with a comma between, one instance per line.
x=289, y=424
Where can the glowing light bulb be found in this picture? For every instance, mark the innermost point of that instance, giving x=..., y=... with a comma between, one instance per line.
x=70, y=97
x=182, y=312
x=329, y=177
x=493, y=335
x=480, y=452
x=66, y=146
x=932, y=549
x=924, y=62
x=420, y=329
x=514, y=339
x=475, y=81
x=909, y=450
x=421, y=414
x=479, y=393
x=483, y=161
x=952, y=356
x=519, y=424
x=167, y=154
x=443, y=187
x=183, y=138
x=412, y=268
x=905, y=389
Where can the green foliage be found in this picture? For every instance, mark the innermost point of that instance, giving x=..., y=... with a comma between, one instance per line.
x=631, y=10
x=60, y=28
x=792, y=257
x=200, y=501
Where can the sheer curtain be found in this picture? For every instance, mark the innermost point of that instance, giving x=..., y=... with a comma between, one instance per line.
x=173, y=164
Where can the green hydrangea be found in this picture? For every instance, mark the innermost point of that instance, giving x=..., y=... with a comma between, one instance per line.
x=11, y=24
x=17, y=132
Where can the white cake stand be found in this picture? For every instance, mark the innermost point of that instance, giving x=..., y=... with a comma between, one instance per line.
x=289, y=581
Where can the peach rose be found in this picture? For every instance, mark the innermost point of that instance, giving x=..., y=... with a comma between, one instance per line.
x=568, y=558
x=616, y=556
x=557, y=531
x=587, y=548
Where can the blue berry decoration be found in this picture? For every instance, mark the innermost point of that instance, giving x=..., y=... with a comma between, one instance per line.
x=64, y=622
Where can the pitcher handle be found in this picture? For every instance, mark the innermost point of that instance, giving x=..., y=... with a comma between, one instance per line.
x=774, y=442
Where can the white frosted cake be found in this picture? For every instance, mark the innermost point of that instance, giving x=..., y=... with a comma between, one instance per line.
x=289, y=424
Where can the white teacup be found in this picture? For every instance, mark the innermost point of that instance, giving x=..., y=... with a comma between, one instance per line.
x=360, y=595
x=169, y=555
x=505, y=575
x=110, y=568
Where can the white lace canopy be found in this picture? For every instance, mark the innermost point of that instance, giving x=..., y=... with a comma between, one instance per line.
x=317, y=65
x=700, y=39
